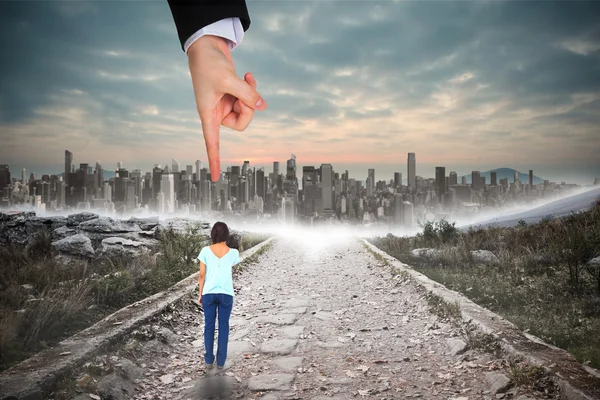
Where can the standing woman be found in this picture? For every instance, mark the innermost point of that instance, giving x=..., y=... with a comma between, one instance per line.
x=216, y=292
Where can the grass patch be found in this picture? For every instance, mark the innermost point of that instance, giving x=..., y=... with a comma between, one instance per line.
x=442, y=308
x=377, y=256
x=532, y=378
x=43, y=301
x=525, y=374
x=478, y=340
x=541, y=281
x=253, y=259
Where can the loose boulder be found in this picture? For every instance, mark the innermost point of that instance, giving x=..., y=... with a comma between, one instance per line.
x=426, y=253
x=79, y=245
x=117, y=246
x=76, y=219
x=108, y=225
x=484, y=256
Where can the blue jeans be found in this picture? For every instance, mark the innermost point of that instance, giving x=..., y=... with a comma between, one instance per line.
x=211, y=302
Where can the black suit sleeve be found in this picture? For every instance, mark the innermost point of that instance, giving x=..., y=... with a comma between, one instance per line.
x=192, y=15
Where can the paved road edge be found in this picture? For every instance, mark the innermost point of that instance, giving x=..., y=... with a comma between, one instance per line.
x=559, y=362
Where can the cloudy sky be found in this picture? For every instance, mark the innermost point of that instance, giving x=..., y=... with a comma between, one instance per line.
x=465, y=85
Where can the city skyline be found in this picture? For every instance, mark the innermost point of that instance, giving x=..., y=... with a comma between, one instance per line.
x=358, y=172
x=462, y=92
x=321, y=195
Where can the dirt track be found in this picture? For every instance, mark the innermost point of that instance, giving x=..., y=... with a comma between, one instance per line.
x=311, y=323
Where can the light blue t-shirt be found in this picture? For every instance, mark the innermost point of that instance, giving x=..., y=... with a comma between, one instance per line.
x=218, y=271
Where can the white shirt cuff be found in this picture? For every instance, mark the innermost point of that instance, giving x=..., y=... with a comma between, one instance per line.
x=230, y=29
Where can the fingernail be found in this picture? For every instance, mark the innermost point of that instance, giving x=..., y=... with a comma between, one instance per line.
x=259, y=103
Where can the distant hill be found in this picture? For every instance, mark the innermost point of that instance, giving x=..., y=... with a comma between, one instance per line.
x=558, y=208
x=502, y=173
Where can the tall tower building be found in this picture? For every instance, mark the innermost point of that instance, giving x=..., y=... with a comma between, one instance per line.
x=107, y=192
x=516, y=178
x=493, y=178
x=68, y=163
x=397, y=179
x=4, y=176
x=260, y=183
x=371, y=175
x=275, y=170
x=290, y=184
x=175, y=169
x=327, y=176
x=530, y=178
x=23, y=175
x=398, y=209
x=476, y=180
x=99, y=175
x=440, y=182
x=198, y=169
x=453, y=178
x=167, y=187
x=291, y=168
x=412, y=172
x=157, y=172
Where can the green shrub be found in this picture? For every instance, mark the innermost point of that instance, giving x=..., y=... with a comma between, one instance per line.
x=438, y=233
x=114, y=289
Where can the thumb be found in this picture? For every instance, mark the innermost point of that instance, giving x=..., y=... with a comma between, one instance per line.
x=210, y=129
x=246, y=93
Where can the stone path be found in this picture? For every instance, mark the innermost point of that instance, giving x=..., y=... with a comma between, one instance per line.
x=320, y=323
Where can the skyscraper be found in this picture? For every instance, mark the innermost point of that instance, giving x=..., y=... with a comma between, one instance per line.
x=68, y=163
x=198, y=168
x=453, y=178
x=440, y=182
x=327, y=173
x=397, y=179
x=530, y=178
x=156, y=183
x=493, y=178
x=4, y=176
x=99, y=175
x=412, y=171
x=476, y=180
x=167, y=187
x=107, y=192
x=291, y=168
x=398, y=209
x=175, y=169
x=275, y=170
x=260, y=183
x=371, y=175
x=290, y=184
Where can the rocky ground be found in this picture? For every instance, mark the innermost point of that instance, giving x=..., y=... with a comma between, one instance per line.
x=316, y=322
x=88, y=235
